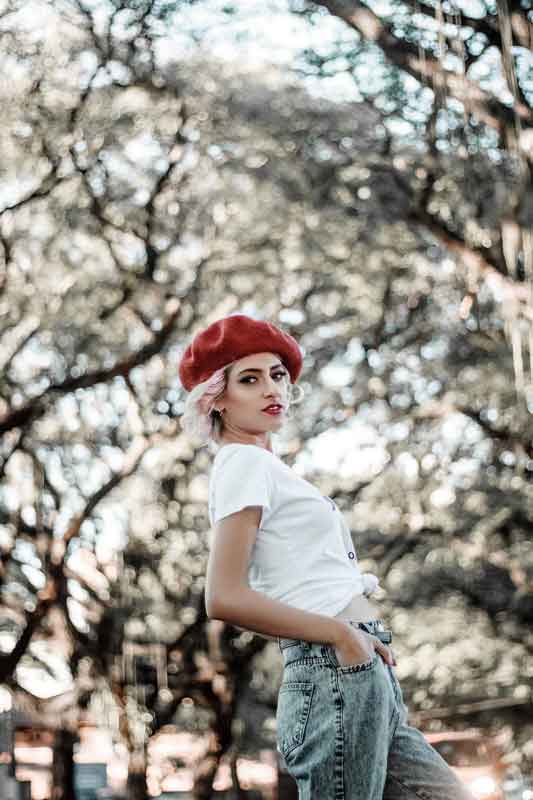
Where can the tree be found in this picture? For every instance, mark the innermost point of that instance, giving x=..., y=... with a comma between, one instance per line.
x=145, y=201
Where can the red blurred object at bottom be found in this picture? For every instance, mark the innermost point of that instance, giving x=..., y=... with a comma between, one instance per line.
x=475, y=758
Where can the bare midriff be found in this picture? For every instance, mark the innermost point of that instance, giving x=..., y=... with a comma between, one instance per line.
x=359, y=609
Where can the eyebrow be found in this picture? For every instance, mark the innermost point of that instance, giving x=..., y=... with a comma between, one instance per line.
x=254, y=369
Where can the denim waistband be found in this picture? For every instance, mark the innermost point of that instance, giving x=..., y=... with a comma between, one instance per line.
x=375, y=627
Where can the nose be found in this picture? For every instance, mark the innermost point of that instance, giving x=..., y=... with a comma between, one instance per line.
x=272, y=390
x=271, y=386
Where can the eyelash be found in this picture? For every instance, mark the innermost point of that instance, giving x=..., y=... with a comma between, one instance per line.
x=276, y=374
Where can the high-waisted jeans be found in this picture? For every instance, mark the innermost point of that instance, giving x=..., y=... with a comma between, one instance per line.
x=343, y=732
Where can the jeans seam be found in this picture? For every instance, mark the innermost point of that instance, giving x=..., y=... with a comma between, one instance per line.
x=395, y=689
x=395, y=719
x=339, y=737
x=408, y=788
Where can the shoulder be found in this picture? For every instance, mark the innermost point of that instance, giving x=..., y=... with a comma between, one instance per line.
x=245, y=455
x=249, y=452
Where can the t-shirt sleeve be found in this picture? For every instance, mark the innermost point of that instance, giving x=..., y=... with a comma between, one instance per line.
x=243, y=479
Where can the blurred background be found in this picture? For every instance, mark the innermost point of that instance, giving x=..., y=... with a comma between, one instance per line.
x=360, y=173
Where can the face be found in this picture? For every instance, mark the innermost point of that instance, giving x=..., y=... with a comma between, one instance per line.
x=254, y=382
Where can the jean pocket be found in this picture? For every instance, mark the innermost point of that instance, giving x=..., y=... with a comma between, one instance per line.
x=355, y=668
x=292, y=714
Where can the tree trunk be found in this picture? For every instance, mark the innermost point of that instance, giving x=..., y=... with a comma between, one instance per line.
x=136, y=788
x=204, y=776
x=63, y=766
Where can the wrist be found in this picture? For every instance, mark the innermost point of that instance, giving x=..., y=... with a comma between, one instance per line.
x=339, y=631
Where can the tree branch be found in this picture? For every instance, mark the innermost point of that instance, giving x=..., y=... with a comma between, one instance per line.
x=406, y=56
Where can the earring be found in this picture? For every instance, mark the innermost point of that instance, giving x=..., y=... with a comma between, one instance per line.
x=300, y=389
x=294, y=400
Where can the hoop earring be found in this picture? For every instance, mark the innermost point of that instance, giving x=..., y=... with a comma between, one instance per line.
x=294, y=400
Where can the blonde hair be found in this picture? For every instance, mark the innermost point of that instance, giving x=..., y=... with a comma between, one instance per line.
x=200, y=420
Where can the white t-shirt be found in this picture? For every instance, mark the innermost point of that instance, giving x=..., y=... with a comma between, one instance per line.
x=303, y=554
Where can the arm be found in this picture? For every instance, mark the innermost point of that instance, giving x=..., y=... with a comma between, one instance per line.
x=228, y=596
x=270, y=618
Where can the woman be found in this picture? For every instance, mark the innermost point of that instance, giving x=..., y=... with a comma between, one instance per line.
x=282, y=564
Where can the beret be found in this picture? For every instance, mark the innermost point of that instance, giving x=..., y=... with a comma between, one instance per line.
x=231, y=338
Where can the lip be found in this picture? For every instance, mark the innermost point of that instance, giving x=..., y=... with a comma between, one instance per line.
x=273, y=411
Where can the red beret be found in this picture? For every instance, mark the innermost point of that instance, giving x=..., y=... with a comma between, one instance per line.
x=231, y=338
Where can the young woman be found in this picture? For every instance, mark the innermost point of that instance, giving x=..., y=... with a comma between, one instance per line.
x=282, y=564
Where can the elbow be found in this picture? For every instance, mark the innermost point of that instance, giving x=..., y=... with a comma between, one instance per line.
x=213, y=607
x=211, y=610
x=218, y=607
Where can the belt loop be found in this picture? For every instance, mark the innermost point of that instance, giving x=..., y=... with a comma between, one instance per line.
x=328, y=652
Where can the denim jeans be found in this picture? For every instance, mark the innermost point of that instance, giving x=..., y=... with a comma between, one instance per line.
x=343, y=732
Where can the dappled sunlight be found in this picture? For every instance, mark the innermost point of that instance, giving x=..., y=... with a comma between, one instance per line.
x=362, y=180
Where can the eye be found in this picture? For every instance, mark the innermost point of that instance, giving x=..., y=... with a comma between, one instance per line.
x=275, y=374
